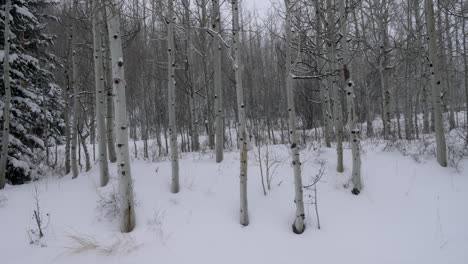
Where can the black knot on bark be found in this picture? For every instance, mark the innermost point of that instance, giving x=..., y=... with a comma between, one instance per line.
x=120, y=63
x=293, y=145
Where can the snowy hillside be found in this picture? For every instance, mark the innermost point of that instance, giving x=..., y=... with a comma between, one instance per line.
x=408, y=212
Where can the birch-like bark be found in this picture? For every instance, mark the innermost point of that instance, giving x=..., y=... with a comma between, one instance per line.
x=244, y=212
x=188, y=73
x=100, y=96
x=323, y=87
x=6, y=105
x=331, y=49
x=298, y=226
x=349, y=88
x=76, y=107
x=109, y=95
x=382, y=21
x=127, y=205
x=359, y=27
x=450, y=73
x=424, y=95
x=171, y=97
x=434, y=68
x=218, y=97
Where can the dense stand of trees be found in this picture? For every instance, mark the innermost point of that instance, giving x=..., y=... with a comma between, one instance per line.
x=166, y=72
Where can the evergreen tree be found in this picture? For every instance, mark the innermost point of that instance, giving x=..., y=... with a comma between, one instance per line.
x=35, y=107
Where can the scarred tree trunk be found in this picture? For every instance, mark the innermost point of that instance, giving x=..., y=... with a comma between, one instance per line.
x=171, y=97
x=127, y=205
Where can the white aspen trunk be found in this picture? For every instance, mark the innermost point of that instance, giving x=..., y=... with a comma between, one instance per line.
x=244, y=212
x=76, y=107
x=409, y=83
x=127, y=205
x=323, y=88
x=382, y=21
x=349, y=88
x=424, y=95
x=109, y=95
x=336, y=98
x=171, y=98
x=298, y=226
x=100, y=97
x=6, y=106
x=368, y=102
x=188, y=65
x=435, y=83
x=218, y=97
x=450, y=73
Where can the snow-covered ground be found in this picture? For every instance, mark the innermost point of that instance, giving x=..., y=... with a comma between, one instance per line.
x=410, y=211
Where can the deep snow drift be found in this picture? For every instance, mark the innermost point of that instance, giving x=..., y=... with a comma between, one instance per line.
x=410, y=211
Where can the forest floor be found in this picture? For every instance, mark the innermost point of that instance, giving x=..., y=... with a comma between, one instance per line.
x=409, y=211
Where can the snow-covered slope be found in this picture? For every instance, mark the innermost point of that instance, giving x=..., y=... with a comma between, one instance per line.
x=408, y=212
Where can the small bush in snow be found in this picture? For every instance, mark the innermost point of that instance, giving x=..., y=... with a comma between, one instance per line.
x=108, y=201
x=36, y=233
x=456, y=149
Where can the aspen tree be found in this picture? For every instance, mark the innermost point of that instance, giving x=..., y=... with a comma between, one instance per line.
x=244, y=213
x=349, y=88
x=171, y=64
x=419, y=39
x=189, y=75
x=76, y=107
x=382, y=22
x=218, y=97
x=127, y=205
x=434, y=68
x=100, y=95
x=323, y=86
x=109, y=96
x=298, y=226
x=331, y=49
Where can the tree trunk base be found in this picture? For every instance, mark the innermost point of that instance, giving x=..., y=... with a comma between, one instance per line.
x=296, y=231
x=355, y=191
